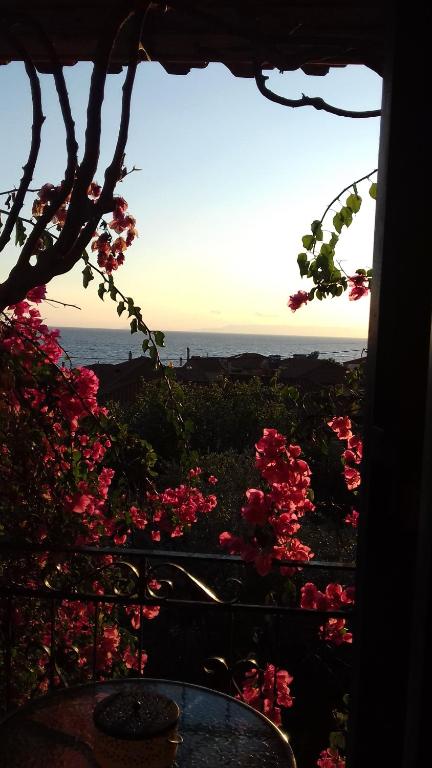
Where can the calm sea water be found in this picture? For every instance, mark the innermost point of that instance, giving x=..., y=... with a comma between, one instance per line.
x=93, y=345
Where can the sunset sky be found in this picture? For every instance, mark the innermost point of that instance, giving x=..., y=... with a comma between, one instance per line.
x=229, y=184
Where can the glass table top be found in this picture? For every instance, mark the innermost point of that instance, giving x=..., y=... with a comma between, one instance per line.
x=218, y=731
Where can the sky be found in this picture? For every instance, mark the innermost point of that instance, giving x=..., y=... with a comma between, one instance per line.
x=229, y=184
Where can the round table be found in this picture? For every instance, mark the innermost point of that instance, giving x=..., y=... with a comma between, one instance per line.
x=57, y=731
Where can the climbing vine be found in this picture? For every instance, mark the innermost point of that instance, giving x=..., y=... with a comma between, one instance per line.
x=318, y=259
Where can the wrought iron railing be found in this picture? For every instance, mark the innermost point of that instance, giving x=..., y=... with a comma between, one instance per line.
x=215, y=611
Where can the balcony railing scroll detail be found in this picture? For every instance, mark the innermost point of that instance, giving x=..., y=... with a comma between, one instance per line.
x=188, y=589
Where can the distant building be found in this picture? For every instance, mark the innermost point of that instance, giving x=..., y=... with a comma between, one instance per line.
x=247, y=365
x=202, y=370
x=356, y=363
x=310, y=372
x=121, y=382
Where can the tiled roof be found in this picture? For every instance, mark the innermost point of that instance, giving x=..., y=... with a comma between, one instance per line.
x=184, y=34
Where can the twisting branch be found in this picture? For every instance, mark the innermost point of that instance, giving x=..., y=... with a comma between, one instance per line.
x=346, y=189
x=50, y=263
x=113, y=172
x=307, y=101
x=71, y=148
x=38, y=119
x=62, y=303
x=88, y=166
x=14, y=190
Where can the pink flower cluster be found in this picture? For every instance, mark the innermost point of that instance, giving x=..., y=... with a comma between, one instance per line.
x=176, y=509
x=359, y=286
x=297, y=300
x=353, y=454
x=335, y=597
x=268, y=692
x=273, y=516
x=50, y=421
x=330, y=758
x=110, y=251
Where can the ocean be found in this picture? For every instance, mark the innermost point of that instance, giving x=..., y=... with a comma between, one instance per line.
x=99, y=345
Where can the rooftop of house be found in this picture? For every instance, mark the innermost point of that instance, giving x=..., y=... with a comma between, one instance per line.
x=356, y=361
x=122, y=380
x=184, y=34
x=311, y=370
x=116, y=376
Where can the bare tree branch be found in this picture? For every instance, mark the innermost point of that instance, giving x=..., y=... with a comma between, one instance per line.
x=113, y=172
x=83, y=215
x=38, y=119
x=29, y=190
x=88, y=166
x=345, y=189
x=71, y=148
x=308, y=101
x=62, y=303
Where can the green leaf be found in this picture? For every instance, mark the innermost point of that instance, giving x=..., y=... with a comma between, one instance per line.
x=333, y=240
x=354, y=202
x=113, y=293
x=101, y=290
x=134, y=325
x=20, y=232
x=145, y=345
x=120, y=308
x=159, y=338
x=346, y=216
x=326, y=250
x=337, y=740
x=308, y=242
x=337, y=222
x=303, y=263
x=373, y=190
x=189, y=426
x=316, y=229
x=87, y=274
x=291, y=392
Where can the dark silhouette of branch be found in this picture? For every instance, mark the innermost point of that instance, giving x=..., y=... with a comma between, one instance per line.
x=114, y=170
x=71, y=147
x=345, y=189
x=76, y=215
x=38, y=119
x=308, y=101
x=52, y=261
x=15, y=189
x=62, y=303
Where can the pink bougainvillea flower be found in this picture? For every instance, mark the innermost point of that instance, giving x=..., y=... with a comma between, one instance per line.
x=37, y=294
x=268, y=691
x=359, y=287
x=257, y=510
x=297, y=300
x=330, y=758
x=352, y=478
x=341, y=425
x=352, y=518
